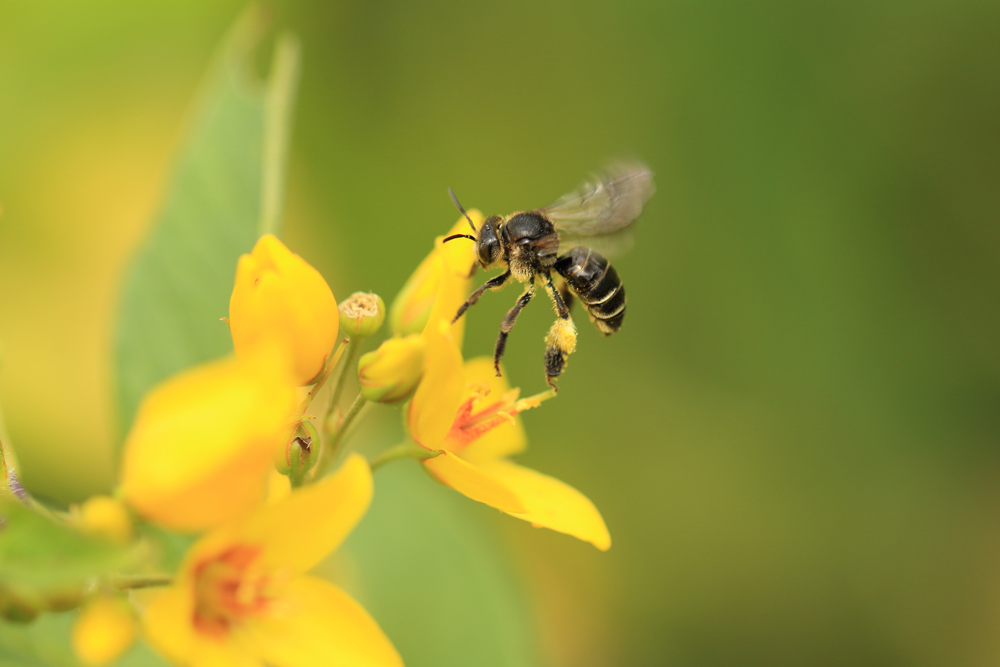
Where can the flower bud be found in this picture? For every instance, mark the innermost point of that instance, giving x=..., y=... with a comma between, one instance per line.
x=298, y=456
x=412, y=306
x=302, y=456
x=279, y=298
x=392, y=372
x=104, y=630
x=64, y=598
x=362, y=314
x=16, y=608
x=106, y=517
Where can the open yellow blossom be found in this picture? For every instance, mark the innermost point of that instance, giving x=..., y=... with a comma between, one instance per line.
x=201, y=446
x=278, y=298
x=468, y=414
x=241, y=597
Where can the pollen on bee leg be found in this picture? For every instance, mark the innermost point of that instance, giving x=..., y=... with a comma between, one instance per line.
x=562, y=336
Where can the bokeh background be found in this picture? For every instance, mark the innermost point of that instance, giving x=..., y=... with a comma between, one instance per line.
x=794, y=439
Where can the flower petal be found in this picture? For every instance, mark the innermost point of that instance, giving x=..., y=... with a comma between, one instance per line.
x=458, y=262
x=232, y=490
x=200, y=448
x=502, y=440
x=167, y=623
x=278, y=487
x=432, y=409
x=474, y=482
x=316, y=623
x=299, y=531
x=211, y=653
x=460, y=254
x=551, y=503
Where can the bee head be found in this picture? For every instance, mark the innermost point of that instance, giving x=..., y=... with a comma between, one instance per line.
x=488, y=243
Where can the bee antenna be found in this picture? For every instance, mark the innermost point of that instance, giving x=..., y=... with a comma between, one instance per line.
x=455, y=199
x=459, y=236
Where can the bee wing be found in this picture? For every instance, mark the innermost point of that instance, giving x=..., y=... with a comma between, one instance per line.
x=610, y=245
x=605, y=204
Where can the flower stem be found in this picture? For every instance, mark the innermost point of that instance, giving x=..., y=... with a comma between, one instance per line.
x=407, y=450
x=127, y=581
x=353, y=345
x=331, y=362
x=339, y=435
x=351, y=415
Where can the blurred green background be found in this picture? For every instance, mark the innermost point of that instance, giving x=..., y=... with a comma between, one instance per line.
x=793, y=440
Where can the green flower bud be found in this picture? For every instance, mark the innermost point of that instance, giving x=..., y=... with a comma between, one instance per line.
x=15, y=608
x=391, y=373
x=297, y=458
x=64, y=599
x=362, y=314
x=303, y=452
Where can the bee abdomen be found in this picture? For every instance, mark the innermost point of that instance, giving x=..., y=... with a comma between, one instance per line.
x=596, y=283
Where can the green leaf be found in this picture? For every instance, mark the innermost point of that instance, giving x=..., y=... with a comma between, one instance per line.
x=225, y=191
x=46, y=643
x=43, y=643
x=436, y=578
x=37, y=553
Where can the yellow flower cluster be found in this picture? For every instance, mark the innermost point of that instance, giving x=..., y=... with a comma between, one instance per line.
x=202, y=453
x=199, y=457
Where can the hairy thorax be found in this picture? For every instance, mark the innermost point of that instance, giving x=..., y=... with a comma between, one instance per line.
x=531, y=245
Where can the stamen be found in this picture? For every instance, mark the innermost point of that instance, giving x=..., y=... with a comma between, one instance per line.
x=229, y=587
x=473, y=420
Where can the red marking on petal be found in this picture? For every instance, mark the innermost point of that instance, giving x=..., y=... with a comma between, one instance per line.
x=471, y=423
x=227, y=590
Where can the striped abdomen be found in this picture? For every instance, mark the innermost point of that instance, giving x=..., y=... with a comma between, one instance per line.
x=596, y=283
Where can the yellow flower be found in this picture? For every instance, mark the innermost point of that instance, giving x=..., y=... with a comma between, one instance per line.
x=455, y=260
x=279, y=298
x=242, y=598
x=470, y=415
x=201, y=446
x=103, y=631
x=391, y=372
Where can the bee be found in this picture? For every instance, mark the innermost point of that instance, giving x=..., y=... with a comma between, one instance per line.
x=527, y=244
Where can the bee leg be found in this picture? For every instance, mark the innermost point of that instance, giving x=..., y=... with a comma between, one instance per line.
x=566, y=294
x=493, y=283
x=561, y=339
x=508, y=323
